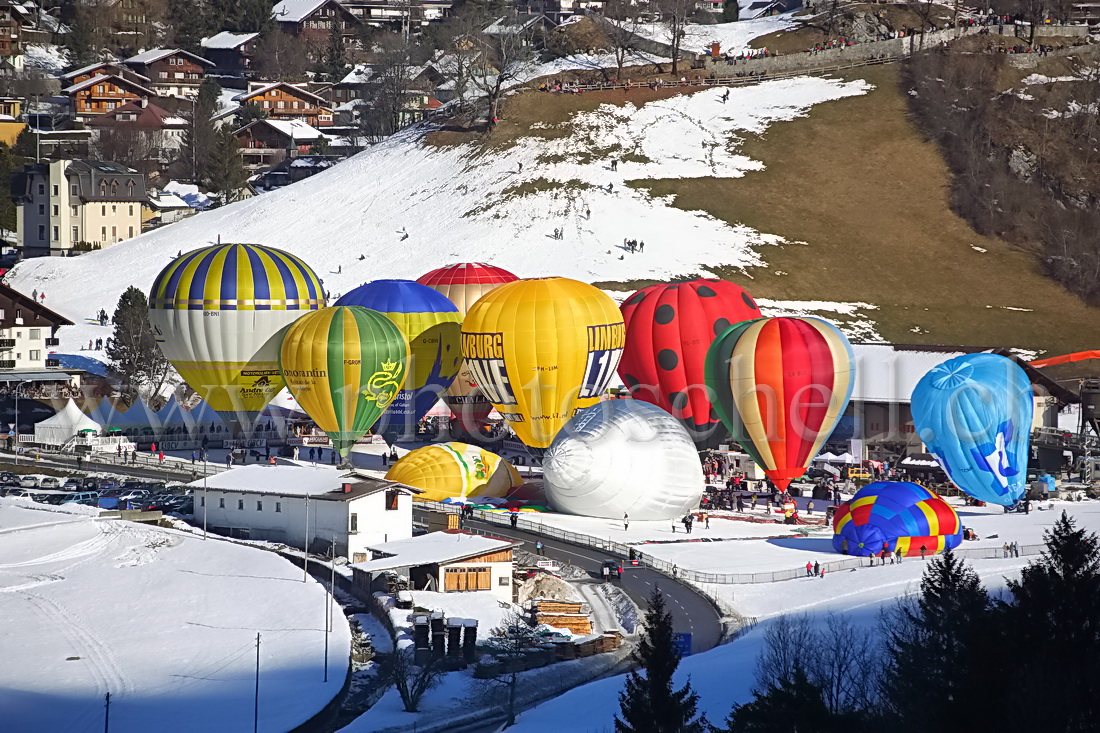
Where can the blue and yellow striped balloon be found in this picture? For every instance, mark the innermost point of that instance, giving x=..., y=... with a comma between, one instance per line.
x=892, y=516
x=219, y=314
x=432, y=325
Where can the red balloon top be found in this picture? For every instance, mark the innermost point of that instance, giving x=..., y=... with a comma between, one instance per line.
x=464, y=273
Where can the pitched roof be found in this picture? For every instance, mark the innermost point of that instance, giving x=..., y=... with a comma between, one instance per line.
x=295, y=11
x=227, y=40
x=148, y=115
x=245, y=96
x=38, y=308
x=156, y=54
x=104, y=77
x=433, y=549
x=295, y=129
x=321, y=483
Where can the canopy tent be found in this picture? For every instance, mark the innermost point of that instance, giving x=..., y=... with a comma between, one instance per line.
x=65, y=425
x=831, y=458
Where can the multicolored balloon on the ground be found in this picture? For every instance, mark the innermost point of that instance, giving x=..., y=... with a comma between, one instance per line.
x=892, y=515
x=974, y=413
x=780, y=385
x=669, y=328
x=542, y=349
x=623, y=457
x=431, y=325
x=218, y=314
x=345, y=366
x=463, y=284
x=455, y=470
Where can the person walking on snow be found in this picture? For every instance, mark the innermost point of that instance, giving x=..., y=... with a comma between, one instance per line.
x=923, y=549
x=817, y=568
x=538, y=548
x=809, y=569
x=626, y=521
x=898, y=553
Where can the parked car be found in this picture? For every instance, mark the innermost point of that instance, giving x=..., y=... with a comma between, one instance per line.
x=50, y=482
x=72, y=484
x=614, y=567
x=89, y=483
x=106, y=484
x=29, y=482
x=89, y=498
x=131, y=485
x=8, y=479
x=132, y=494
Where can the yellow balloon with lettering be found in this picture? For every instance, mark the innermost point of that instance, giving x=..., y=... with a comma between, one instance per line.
x=455, y=470
x=541, y=349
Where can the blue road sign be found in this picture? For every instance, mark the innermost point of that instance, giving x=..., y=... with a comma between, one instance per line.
x=681, y=641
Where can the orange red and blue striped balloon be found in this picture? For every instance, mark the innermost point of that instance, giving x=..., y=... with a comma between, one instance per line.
x=895, y=515
x=780, y=385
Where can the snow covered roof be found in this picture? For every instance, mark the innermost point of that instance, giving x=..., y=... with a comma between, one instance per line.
x=260, y=91
x=510, y=24
x=227, y=40
x=361, y=74
x=167, y=201
x=296, y=129
x=156, y=54
x=295, y=11
x=432, y=549
x=320, y=482
x=100, y=78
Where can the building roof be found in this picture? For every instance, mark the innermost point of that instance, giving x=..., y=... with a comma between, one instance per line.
x=227, y=40
x=295, y=11
x=320, y=482
x=432, y=549
x=156, y=54
x=148, y=115
x=360, y=74
x=91, y=67
x=167, y=201
x=296, y=129
x=34, y=306
x=105, y=77
x=511, y=24
x=245, y=96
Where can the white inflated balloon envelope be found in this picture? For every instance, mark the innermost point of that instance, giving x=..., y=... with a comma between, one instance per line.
x=623, y=457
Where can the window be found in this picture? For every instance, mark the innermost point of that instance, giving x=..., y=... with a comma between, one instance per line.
x=103, y=191
x=202, y=501
x=36, y=355
x=114, y=234
x=103, y=209
x=76, y=211
x=112, y=105
x=163, y=75
x=41, y=209
x=56, y=210
x=294, y=105
x=259, y=506
x=281, y=104
x=114, y=188
x=131, y=205
x=75, y=190
x=221, y=503
x=76, y=234
x=278, y=507
x=36, y=333
x=55, y=190
x=273, y=93
x=504, y=580
x=354, y=525
x=391, y=499
x=240, y=504
x=41, y=231
x=114, y=207
x=41, y=189
x=130, y=190
x=56, y=233
x=104, y=236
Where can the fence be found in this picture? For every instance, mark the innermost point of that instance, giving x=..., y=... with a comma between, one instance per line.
x=678, y=573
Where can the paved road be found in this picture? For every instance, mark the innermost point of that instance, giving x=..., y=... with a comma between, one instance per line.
x=691, y=612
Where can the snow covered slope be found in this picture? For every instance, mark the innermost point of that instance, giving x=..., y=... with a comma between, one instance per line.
x=162, y=620
x=461, y=203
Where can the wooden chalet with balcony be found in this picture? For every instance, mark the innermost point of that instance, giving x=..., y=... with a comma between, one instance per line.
x=283, y=101
x=104, y=68
x=102, y=94
x=313, y=21
x=266, y=142
x=173, y=72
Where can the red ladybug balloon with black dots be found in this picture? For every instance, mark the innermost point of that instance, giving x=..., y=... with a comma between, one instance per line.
x=669, y=327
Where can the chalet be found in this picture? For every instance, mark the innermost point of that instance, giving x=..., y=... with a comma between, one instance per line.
x=448, y=561
x=102, y=94
x=524, y=25
x=292, y=170
x=68, y=205
x=231, y=53
x=11, y=36
x=173, y=72
x=160, y=130
x=28, y=330
x=104, y=68
x=313, y=21
x=267, y=141
x=283, y=101
x=390, y=12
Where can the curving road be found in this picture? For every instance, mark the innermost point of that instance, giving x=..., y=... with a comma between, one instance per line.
x=691, y=611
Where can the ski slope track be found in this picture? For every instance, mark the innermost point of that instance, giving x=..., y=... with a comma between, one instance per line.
x=469, y=203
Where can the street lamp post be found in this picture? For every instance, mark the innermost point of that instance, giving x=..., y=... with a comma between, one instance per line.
x=204, y=495
x=16, y=446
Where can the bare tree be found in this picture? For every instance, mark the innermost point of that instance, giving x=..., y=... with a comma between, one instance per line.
x=674, y=18
x=840, y=656
x=411, y=681
x=925, y=10
x=130, y=145
x=281, y=57
x=621, y=29
x=507, y=56
x=786, y=647
x=509, y=644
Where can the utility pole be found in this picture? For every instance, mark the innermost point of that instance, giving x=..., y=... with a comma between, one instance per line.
x=107, y=715
x=328, y=600
x=305, y=546
x=256, y=708
x=205, y=498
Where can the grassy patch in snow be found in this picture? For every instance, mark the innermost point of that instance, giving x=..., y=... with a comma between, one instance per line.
x=856, y=182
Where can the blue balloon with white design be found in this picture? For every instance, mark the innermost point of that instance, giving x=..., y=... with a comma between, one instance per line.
x=974, y=414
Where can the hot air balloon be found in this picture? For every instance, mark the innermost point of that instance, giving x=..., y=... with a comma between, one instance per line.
x=455, y=470
x=974, y=414
x=623, y=457
x=780, y=385
x=431, y=325
x=541, y=349
x=219, y=314
x=669, y=327
x=345, y=366
x=900, y=514
x=463, y=284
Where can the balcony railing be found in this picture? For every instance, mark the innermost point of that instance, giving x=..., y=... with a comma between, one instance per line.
x=7, y=365
x=53, y=341
x=7, y=343
x=53, y=362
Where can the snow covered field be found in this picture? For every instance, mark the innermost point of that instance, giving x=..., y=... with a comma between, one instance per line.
x=733, y=37
x=459, y=204
x=163, y=621
x=725, y=675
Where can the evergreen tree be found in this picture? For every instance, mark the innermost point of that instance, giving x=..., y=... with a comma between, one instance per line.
x=249, y=112
x=134, y=358
x=932, y=644
x=321, y=146
x=336, y=54
x=8, y=164
x=1055, y=619
x=792, y=705
x=226, y=174
x=199, y=137
x=252, y=16
x=730, y=11
x=649, y=704
x=80, y=41
x=189, y=21
x=26, y=145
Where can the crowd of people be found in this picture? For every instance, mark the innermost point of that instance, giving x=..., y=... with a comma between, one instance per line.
x=40, y=390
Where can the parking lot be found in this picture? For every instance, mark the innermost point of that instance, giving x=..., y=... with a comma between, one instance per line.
x=106, y=493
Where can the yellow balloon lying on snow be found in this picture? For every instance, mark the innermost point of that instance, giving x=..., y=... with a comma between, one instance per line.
x=541, y=349
x=455, y=470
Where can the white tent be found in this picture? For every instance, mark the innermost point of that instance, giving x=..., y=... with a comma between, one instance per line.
x=66, y=424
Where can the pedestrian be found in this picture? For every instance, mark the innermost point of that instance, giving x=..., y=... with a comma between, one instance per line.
x=810, y=508
x=271, y=460
x=641, y=246
x=673, y=526
x=1015, y=549
x=822, y=572
x=194, y=457
x=385, y=459
x=538, y=548
x=1004, y=550
x=898, y=553
x=587, y=213
x=740, y=503
x=706, y=520
x=626, y=521
x=923, y=549
x=817, y=568
x=229, y=460
x=514, y=519
x=754, y=501
x=520, y=170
